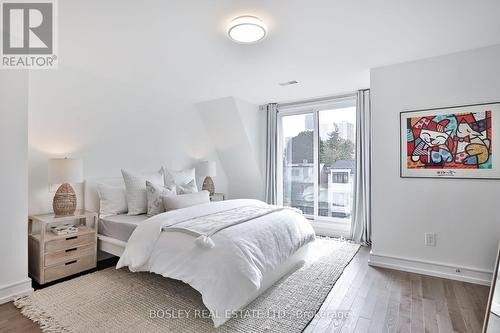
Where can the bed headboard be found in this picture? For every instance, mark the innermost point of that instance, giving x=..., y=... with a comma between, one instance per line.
x=91, y=196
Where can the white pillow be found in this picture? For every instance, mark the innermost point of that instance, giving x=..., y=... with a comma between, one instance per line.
x=190, y=187
x=185, y=200
x=113, y=199
x=184, y=180
x=135, y=185
x=154, y=195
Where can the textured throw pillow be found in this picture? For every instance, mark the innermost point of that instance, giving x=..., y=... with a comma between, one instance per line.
x=190, y=187
x=184, y=180
x=113, y=199
x=154, y=194
x=185, y=200
x=135, y=185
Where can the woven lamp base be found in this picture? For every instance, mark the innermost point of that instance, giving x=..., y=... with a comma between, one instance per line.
x=64, y=202
x=208, y=185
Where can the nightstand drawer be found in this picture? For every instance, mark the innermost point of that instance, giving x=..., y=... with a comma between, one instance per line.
x=69, y=268
x=66, y=255
x=69, y=241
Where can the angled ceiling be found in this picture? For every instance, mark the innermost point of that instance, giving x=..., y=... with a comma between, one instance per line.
x=328, y=46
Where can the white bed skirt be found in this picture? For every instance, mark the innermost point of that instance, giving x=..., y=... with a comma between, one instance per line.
x=110, y=245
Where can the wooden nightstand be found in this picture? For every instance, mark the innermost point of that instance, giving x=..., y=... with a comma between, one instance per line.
x=51, y=257
x=217, y=197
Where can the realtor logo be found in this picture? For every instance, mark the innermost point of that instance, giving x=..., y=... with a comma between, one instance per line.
x=28, y=35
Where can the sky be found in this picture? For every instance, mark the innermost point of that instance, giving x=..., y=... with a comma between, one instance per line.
x=294, y=124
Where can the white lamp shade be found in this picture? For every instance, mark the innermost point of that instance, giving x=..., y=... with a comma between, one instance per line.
x=206, y=169
x=65, y=170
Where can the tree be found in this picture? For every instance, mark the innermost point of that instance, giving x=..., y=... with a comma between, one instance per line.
x=335, y=148
x=300, y=148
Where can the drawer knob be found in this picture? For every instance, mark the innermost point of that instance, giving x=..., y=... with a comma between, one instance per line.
x=73, y=249
x=74, y=237
x=70, y=262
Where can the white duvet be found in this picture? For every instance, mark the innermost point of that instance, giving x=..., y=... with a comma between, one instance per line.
x=228, y=274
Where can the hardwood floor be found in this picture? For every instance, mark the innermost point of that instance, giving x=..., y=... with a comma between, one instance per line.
x=374, y=299
x=11, y=320
x=383, y=300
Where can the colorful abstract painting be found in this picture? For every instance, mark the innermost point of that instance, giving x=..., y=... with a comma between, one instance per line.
x=450, y=141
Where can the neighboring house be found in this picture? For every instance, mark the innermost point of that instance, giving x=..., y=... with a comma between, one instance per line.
x=335, y=191
x=340, y=188
x=298, y=186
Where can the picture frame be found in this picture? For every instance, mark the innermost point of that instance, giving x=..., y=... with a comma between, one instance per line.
x=460, y=142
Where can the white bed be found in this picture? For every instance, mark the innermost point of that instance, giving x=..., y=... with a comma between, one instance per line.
x=119, y=226
x=114, y=233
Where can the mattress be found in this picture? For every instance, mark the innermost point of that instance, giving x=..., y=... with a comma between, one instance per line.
x=119, y=226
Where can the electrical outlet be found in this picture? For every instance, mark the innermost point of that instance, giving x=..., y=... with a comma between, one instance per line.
x=430, y=239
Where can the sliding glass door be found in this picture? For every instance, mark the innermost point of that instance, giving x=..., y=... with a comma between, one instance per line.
x=317, y=162
x=298, y=162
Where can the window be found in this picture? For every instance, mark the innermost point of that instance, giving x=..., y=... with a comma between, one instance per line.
x=340, y=177
x=317, y=160
x=298, y=162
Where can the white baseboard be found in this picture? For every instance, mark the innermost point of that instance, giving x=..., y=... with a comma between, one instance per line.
x=10, y=291
x=466, y=274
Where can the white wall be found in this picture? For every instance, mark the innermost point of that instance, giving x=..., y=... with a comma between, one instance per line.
x=255, y=122
x=109, y=135
x=463, y=213
x=116, y=100
x=13, y=184
x=236, y=129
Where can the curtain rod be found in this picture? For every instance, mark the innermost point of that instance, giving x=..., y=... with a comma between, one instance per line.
x=314, y=100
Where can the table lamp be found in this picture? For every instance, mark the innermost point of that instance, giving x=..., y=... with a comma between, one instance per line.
x=64, y=171
x=207, y=169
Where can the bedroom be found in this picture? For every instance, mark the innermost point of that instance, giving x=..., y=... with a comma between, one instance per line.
x=311, y=116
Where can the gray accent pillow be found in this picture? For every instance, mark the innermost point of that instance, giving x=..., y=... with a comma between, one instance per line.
x=154, y=195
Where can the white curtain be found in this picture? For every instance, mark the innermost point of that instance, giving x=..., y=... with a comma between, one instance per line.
x=271, y=153
x=361, y=217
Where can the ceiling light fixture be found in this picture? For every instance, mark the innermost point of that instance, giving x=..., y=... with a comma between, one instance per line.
x=246, y=29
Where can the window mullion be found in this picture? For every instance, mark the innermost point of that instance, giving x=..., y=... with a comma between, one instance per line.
x=316, y=162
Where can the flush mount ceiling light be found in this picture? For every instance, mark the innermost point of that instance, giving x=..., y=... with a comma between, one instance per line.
x=246, y=29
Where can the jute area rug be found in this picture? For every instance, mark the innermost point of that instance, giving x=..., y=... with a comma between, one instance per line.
x=119, y=301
